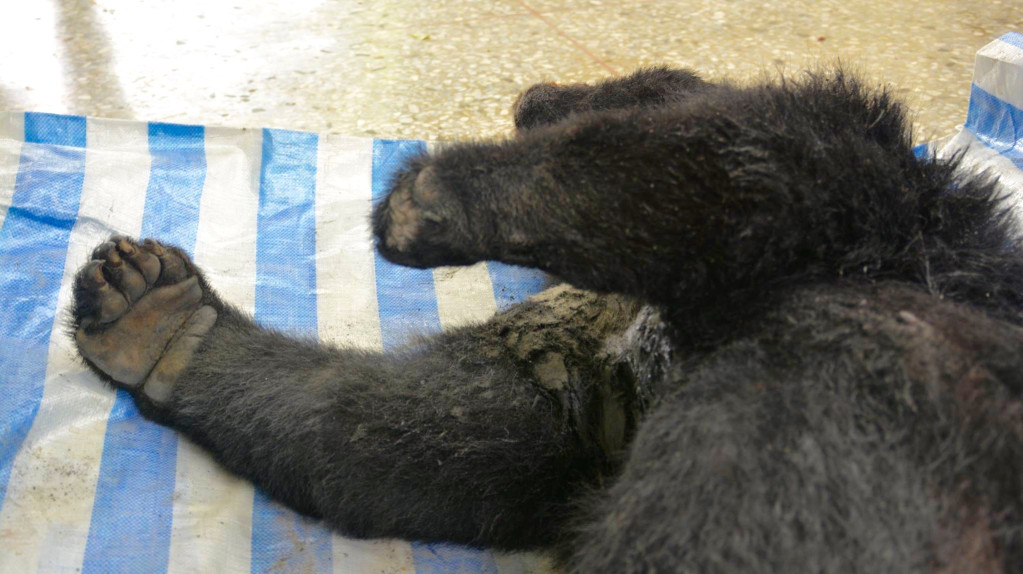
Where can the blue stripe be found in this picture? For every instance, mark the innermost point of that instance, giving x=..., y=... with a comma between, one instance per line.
x=406, y=297
x=513, y=284
x=33, y=249
x=131, y=516
x=448, y=559
x=408, y=306
x=55, y=130
x=1013, y=38
x=997, y=124
x=286, y=300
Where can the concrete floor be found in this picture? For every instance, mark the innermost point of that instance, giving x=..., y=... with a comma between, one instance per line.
x=449, y=69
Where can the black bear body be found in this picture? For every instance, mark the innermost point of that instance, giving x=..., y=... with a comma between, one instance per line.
x=789, y=345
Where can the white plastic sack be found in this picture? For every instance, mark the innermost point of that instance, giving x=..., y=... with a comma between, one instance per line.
x=992, y=137
x=278, y=219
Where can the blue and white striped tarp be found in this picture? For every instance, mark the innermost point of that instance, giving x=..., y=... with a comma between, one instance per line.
x=278, y=219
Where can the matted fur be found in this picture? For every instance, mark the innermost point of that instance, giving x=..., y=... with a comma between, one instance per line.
x=826, y=376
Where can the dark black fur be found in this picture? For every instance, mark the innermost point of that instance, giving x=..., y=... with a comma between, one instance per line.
x=827, y=379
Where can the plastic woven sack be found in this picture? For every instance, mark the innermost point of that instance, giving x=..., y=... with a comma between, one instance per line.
x=278, y=219
x=992, y=137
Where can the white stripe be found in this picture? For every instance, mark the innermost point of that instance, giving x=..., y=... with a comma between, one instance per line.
x=53, y=479
x=12, y=125
x=225, y=243
x=346, y=299
x=998, y=70
x=12, y=132
x=212, y=517
x=465, y=295
x=979, y=157
x=376, y=556
x=524, y=563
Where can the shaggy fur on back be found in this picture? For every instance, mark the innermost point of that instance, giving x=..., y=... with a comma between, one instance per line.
x=786, y=344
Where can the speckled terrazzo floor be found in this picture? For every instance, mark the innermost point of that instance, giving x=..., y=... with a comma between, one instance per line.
x=449, y=69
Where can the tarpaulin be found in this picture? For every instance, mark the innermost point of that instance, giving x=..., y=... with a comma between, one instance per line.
x=279, y=222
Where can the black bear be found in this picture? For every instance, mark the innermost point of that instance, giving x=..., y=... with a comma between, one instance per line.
x=783, y=344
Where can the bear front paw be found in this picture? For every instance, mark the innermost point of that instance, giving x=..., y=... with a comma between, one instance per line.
x=422, y=223
x=139, y=315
